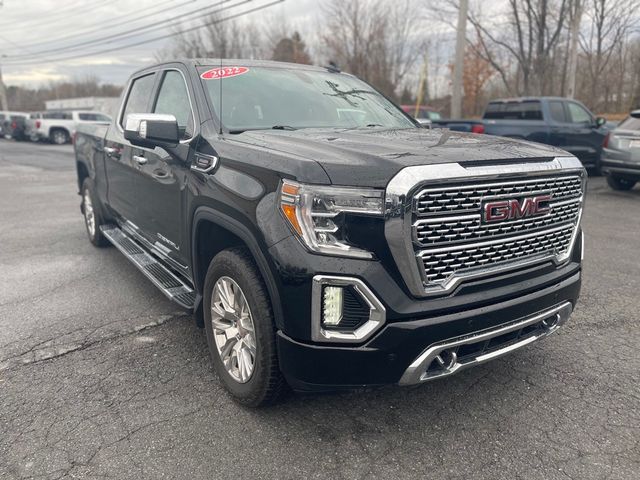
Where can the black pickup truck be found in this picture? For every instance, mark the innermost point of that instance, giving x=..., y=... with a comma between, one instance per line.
x=321, y=236
x=556, y=121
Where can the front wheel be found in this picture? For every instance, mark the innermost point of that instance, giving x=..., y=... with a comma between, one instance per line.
x=240, y=329
x=619, y=183
x=92, y=214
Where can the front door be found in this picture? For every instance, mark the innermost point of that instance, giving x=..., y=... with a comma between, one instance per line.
x=584, y=138
x=118, y=152
x=162, y=174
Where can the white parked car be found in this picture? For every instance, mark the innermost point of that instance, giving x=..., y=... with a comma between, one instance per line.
x=59, y=126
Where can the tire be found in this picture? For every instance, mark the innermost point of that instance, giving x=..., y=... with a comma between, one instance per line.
x=619, y=183
x=92, y=213
x=59, y=136
x=234, y=271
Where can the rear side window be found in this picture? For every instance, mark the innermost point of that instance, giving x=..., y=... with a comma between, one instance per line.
x=57, y=115
x=139, y=95
x=578, y=113
x=529, y=110
x=173, y=99
x=630, y=123
x=93, y=117
x=556, y=109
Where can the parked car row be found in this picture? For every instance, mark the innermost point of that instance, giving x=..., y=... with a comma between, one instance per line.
x=53, y=126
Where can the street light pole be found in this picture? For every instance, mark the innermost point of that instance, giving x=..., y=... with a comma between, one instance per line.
x=461, y=40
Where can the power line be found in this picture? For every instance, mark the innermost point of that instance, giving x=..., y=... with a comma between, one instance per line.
x=65, y=12
x=90, y=30
x=151, y=40
x=134, y=32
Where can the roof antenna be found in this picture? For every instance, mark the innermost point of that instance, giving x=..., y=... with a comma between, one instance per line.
x=221, y=75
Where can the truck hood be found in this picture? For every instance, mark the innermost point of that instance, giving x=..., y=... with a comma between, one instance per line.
x=371, y=157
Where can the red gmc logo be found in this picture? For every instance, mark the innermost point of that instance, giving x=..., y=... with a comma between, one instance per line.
x=514, y=209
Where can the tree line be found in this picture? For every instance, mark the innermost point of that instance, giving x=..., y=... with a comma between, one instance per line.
x=513, y=48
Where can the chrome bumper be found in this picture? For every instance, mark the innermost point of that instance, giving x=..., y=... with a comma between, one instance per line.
x=450, y=356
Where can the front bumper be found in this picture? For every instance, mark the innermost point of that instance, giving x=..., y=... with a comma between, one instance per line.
x=390, y=355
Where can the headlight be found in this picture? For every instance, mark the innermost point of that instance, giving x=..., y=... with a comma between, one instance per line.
x=316, y=213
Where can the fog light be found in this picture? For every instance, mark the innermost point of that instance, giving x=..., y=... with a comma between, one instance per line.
x=332, y=306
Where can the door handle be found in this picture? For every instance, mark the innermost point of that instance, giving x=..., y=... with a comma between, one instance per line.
x=140, y=160
x=111, y=152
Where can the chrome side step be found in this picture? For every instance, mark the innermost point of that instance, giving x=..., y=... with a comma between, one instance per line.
x=172, y=286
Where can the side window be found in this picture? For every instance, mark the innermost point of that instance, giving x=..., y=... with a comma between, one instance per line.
x=578, y=114
x=138, y=98
x=173, y=99
x=556, y=109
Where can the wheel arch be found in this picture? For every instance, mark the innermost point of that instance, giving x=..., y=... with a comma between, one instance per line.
x=232, y=233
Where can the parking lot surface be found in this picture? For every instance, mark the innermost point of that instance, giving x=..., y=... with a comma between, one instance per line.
x=102, y=377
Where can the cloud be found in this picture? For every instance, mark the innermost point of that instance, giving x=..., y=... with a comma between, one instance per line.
x=37, y=25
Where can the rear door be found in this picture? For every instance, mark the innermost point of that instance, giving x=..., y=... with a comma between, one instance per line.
x=162, y=174
x=121, y=171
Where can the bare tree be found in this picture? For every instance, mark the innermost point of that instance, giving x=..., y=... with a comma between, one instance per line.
x=528, y=38
x=610, y=23
x=372, y=39
x=220, y=39
x=291, y=49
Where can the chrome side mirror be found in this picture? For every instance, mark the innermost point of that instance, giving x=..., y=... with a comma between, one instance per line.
x=151, y=130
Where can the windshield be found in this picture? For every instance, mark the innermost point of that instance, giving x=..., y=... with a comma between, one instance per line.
x=264, y=98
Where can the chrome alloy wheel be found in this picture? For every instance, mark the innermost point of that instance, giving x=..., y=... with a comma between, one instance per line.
x=233, y=329
x=89, y=216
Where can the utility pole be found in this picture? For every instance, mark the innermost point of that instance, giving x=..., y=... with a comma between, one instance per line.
x=576, y=17
x=421, y=88
x=4, y=104
x=461, y=40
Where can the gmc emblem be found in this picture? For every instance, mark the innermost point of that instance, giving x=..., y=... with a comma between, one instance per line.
x=514, y=209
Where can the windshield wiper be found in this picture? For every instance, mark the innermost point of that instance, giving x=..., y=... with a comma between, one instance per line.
x=283, y=127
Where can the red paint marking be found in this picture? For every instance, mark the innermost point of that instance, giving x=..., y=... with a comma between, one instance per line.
x=225, y=72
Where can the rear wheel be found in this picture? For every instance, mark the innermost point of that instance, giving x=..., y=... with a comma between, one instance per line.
x=92, y=212
x=619, y=183
x=59, y=136
x=240, y=329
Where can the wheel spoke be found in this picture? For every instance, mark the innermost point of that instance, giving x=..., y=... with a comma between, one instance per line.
x=228, y=347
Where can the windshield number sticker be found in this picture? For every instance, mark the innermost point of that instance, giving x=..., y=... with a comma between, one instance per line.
x=225, y=72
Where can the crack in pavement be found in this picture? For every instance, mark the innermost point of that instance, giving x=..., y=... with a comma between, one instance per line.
x=36, y=355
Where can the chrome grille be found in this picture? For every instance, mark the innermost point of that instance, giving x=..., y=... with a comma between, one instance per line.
x=459, y=229
x=440, y=264
x=452, y=241
x=465, y=198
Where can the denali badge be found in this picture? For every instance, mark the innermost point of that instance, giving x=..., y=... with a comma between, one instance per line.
x=514, y=209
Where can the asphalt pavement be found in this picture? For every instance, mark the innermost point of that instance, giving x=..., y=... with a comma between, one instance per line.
x=102, y=377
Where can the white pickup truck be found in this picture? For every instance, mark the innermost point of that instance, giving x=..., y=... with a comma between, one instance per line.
x=59, y=126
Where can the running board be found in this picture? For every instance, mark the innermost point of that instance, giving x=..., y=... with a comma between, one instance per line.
x=174, y=288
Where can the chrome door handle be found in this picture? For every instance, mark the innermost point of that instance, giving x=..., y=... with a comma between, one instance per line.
x=110, y=151
x=140, y=160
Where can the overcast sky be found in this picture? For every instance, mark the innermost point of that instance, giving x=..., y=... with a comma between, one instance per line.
x=28, y=27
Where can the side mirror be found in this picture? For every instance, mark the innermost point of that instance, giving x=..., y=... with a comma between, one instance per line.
x=600, y=121
x=151, y=130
